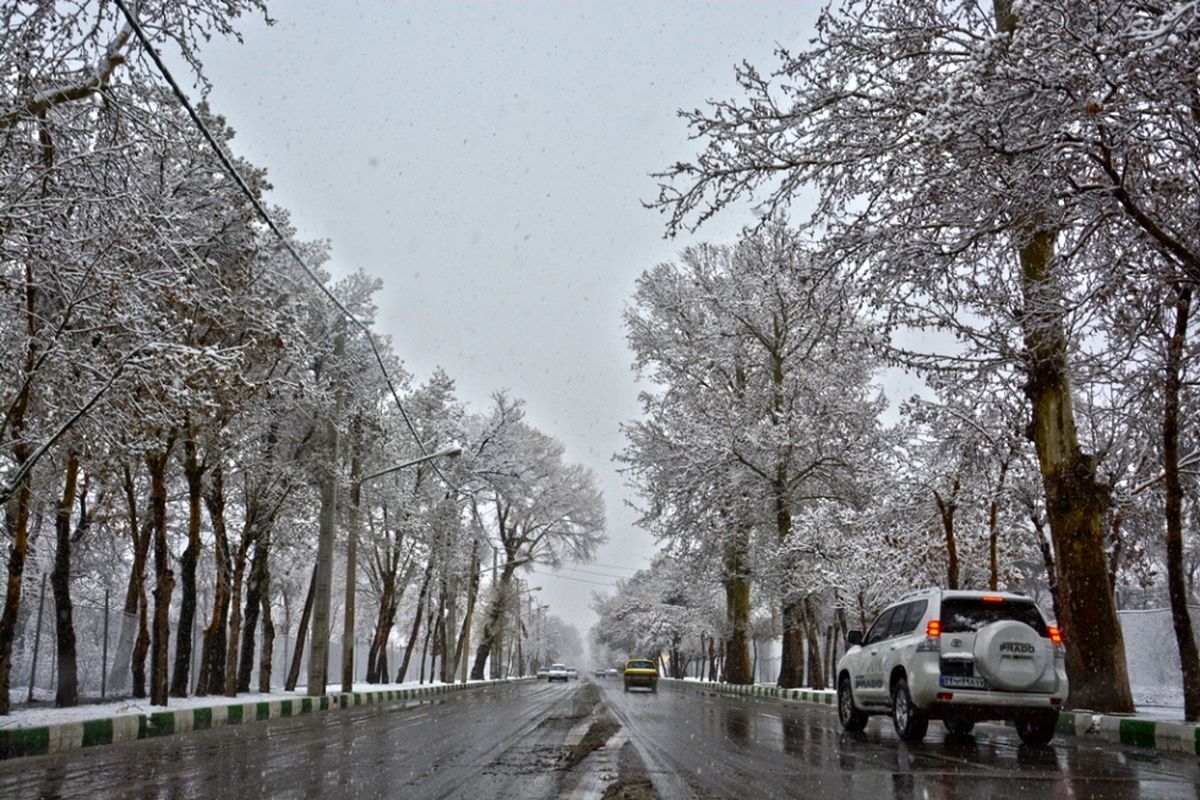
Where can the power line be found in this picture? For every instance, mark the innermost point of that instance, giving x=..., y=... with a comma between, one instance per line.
x=614, y=566
x=600, y=574
x=262, y=212
x=581, y=580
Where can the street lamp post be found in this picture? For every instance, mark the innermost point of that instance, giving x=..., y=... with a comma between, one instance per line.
x=319, y=649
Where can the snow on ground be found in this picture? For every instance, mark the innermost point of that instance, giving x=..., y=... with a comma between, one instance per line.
x=32, y=716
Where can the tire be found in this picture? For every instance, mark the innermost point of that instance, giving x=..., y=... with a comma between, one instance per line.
x=627, y=688
x=1037, y=731
x=853, y=718
x=959, y=727
x=654, y=688
x=910, y=722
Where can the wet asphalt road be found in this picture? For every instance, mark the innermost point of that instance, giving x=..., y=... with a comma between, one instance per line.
x=697, y=744
x=543, y=741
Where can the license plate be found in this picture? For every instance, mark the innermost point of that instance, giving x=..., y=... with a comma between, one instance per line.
x=962, y=682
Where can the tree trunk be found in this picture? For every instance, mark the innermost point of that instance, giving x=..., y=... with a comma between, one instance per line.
x=164, y=577
x=211, y=679
x=268, y=637
x=194, y=473
x=17, y=525
x=491, y=628
x=816, y=675
x=994, y=529
x=67, y=693
x=416, y=628
x=383, y=632
x=235, y=606
x=449, y=624
x=946, y=509
x=16, y=511
x=383, y=629
x=1189, y=658
x=302, y=633
x=791, y=665
x=430, y=627
x=831, y=657
x=139, y=537
x=1075, y=498
x=141, y=647
x=254, y=596
x=464, y=636
x=737, y=606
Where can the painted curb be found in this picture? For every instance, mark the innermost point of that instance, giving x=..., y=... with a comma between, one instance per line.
x=1173, y=737
x=47, y=739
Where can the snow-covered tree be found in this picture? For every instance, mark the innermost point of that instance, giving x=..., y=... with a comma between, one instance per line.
x=979, y=163
x=535, y=507
x=766, y=404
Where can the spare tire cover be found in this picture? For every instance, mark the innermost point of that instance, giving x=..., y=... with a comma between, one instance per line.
x=1011, y=655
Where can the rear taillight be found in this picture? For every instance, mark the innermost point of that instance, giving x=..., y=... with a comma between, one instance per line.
x=993, y=598
x=934, y=628
x=1055, y=634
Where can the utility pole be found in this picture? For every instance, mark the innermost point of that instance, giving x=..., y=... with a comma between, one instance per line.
x=318, y=654
x=351, y=565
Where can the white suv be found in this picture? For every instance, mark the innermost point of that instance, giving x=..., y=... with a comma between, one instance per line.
x=957, y=656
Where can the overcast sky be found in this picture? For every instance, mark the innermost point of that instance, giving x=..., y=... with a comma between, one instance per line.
x=488, y=161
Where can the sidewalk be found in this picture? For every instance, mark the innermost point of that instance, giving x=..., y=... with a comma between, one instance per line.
x=1157, y=727
x=33, y=731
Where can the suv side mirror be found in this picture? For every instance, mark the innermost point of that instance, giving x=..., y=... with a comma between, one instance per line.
x=854, y=637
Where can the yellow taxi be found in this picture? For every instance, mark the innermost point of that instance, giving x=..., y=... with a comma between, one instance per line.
x=641, y=672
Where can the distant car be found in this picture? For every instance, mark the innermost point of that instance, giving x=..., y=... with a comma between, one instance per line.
x=641, y=672
x=600, y=673
x=960, y=657
x=612, y=672
x=572, y=673
x=558, y=672
x=543, y=672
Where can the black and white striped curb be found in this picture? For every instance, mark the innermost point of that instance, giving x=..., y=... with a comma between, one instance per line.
x=62, y=737
x=1176, y=737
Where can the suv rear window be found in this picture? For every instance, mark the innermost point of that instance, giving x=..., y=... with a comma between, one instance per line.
x=969, y=614
x=640, y=665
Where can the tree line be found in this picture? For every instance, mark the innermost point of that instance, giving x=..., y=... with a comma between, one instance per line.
x=169, y=386
x=1006, y=206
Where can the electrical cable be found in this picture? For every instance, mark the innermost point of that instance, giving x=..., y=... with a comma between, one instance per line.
x=579, y=580
x=593, y=572
x=237, y=178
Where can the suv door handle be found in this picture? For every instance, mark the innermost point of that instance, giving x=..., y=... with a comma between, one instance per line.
x=874, y=652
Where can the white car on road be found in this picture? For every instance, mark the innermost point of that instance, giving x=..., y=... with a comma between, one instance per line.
x=957, y=656
x=558, y=672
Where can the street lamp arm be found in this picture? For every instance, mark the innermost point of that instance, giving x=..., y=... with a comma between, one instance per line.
x=448, y=452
